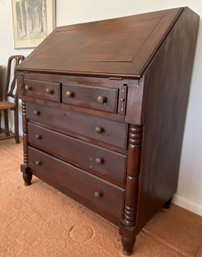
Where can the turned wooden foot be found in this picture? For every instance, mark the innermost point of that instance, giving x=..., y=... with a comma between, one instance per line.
x=27, y=174
x=128, y=237
x=128, y=244
x=27, y=179
x=167, y=204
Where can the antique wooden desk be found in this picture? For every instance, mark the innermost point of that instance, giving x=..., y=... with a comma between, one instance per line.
x=104, y=106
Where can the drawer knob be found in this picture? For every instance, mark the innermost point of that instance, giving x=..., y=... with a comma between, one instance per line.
x=38, y=163
x=49, y=91
x=37, y=136
x=99, y=130
x=98, y=194
x=37, y=113
x=101, y=99
x=27, y=87
x=99, y=161
x=69, y=93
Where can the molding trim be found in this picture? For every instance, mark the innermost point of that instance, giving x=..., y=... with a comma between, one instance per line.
x=187, y=204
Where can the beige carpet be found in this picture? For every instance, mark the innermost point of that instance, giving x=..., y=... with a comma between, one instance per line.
x=40, y=221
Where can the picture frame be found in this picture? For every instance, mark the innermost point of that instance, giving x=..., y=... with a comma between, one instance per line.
x=33, y=20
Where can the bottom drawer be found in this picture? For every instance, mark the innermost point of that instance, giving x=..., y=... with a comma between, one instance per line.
x=103, y=197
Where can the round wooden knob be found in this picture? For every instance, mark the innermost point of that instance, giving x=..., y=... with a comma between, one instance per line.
x=99, y=161
x=49, y=91
x=27, y=87
x=99, y=130
x=101, y=99
x=36, y=112
x=98, y=194
x=38, y=163
x=69, y=93
x=37, y=136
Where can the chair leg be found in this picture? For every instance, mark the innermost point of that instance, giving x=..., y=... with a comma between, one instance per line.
x=17, y=139
x=6, y=123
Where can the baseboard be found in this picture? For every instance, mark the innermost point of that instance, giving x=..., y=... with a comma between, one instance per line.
x=186, y=204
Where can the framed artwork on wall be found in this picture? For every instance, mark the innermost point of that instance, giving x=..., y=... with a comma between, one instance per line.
x=33, y=20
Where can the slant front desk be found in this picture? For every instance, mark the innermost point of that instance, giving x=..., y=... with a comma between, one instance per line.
x=104, y=106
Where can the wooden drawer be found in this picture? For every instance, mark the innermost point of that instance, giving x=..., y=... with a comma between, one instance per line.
x=42, y=89
x=102, y=197
x=104, y=99
x=96, y=159
x=111, y=132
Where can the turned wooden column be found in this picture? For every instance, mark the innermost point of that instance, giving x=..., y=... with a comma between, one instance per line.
x=128, y=223
x=27, y=175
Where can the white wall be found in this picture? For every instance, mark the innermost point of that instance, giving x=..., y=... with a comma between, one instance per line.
x=189, y=193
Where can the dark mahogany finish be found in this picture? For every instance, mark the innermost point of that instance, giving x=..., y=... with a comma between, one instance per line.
x=104, y=99
x=122, y=46
x=103, y=121
x=92, y=191
x=96, y=159
x=76, y=123
x=40, y=89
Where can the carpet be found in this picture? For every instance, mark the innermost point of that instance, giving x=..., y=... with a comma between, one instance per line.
x=39, y=221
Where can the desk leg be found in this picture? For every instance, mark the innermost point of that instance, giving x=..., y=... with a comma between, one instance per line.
x=27, y=174
x=128, y=224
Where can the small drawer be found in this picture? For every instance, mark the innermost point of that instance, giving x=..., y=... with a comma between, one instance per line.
x=98, y=160
x=104, y=99
x=102, y=197
x=111, y=132
x=42, y=89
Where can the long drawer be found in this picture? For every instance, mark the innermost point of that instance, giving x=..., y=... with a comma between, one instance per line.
x=103, y=162
x=111, y=132
x=97, y=194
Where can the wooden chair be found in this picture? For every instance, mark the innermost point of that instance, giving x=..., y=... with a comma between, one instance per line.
x=10, y=91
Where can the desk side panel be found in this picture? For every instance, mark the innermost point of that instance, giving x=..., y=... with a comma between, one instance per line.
x=166, y=87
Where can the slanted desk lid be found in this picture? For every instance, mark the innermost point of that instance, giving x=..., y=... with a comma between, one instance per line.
x=115, y=47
